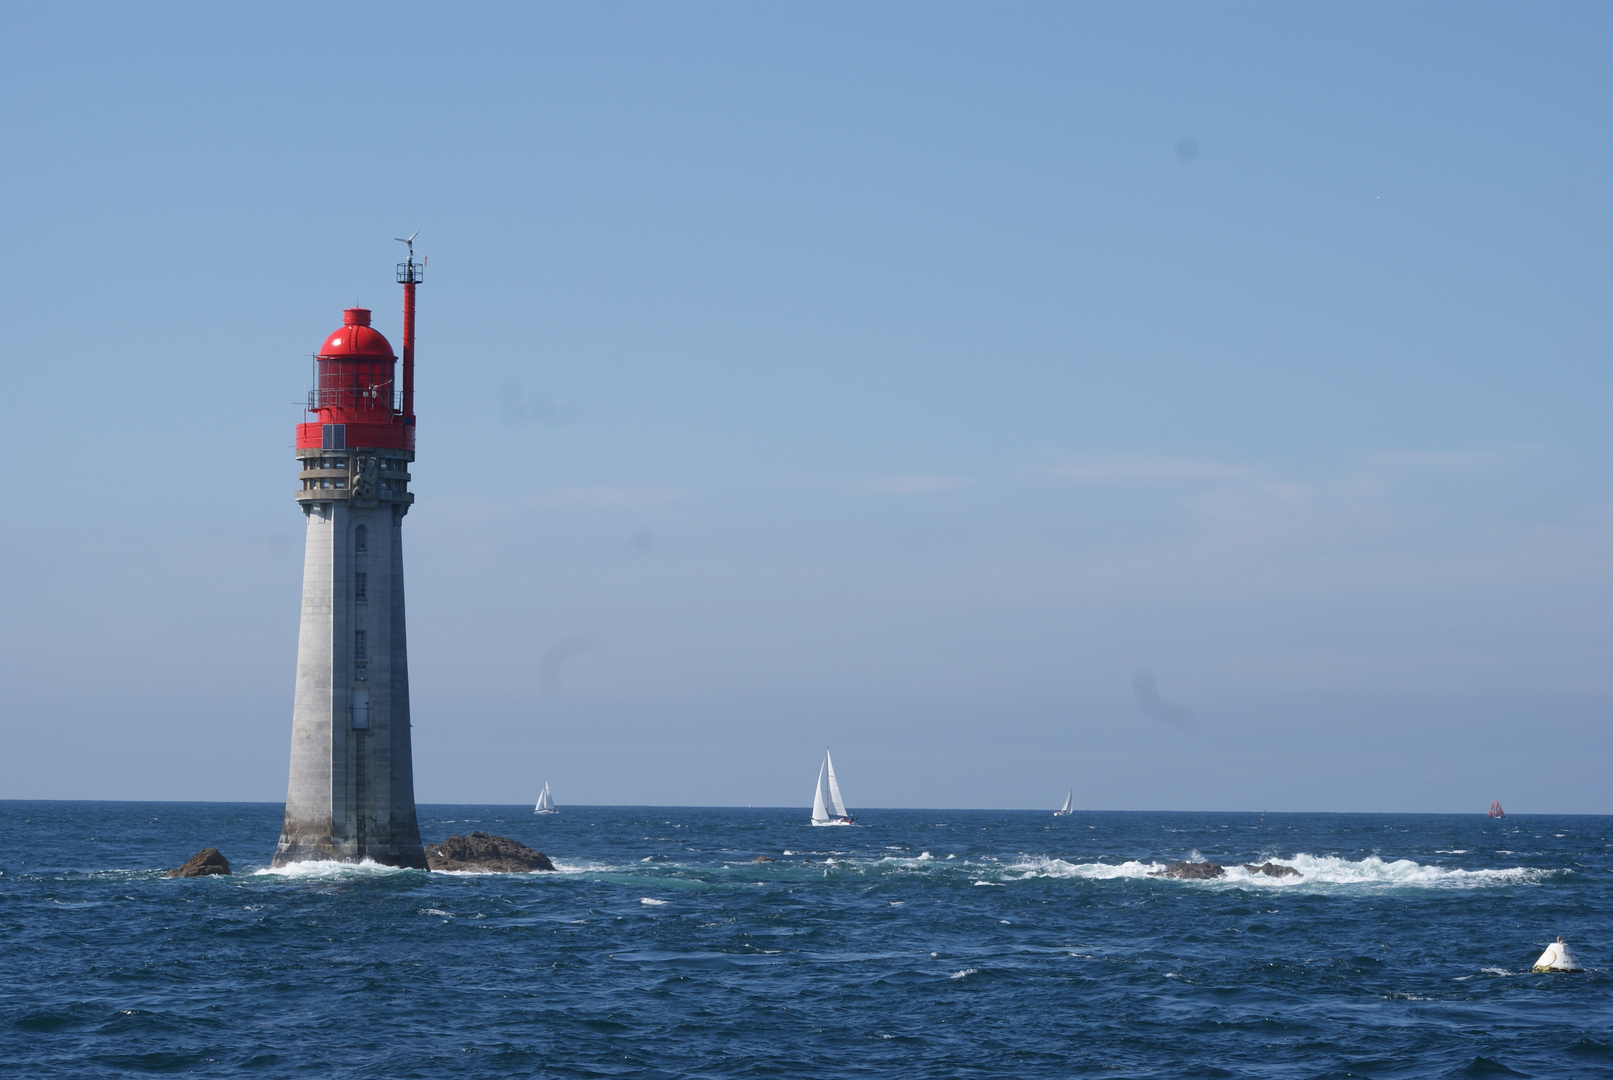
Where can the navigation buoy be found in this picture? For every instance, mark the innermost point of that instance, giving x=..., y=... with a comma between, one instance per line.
x=1557, y=958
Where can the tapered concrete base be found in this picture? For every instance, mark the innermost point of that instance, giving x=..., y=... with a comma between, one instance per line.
x=351, y=791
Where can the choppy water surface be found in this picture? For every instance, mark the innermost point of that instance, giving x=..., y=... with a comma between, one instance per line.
x=914, y=944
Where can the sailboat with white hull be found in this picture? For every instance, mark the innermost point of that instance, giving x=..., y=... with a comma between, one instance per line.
x=828, y=808
x=1069, y=805
x=546, y=802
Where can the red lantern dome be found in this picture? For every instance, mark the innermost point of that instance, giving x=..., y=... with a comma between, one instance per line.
x=355, y=395
x=356, y=340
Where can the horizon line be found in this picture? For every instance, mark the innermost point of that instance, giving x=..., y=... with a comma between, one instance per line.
x=868, y=809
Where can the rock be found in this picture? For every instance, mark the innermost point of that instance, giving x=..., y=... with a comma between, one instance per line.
x=1271, y=869
x=1191, y=870
x=761, y=858
x=202, y=864
x=481, y=853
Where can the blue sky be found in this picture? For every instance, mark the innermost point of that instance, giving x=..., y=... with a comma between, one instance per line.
x=1203, y=407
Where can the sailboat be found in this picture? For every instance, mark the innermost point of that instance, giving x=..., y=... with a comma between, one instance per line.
x=546, y=802
x=1069, y=805
x=828, y=808
x=1495, y=809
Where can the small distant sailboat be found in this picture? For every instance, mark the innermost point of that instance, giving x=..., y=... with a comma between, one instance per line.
x=828, y=808
x=546, y=802
x=1068, y=807
x=1495, y=809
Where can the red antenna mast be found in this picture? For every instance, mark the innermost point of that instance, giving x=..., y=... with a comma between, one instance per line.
x=410, y=274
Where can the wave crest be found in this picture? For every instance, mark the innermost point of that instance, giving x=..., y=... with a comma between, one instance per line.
x=318, y=869
x=1371, y=871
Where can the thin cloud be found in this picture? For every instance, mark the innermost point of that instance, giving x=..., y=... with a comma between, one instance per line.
x=637, y=498
x=914, y=484
x=554, y=658
x=1440, y=459
x=1147, y=690
x=1135, y=469
x=521, y=409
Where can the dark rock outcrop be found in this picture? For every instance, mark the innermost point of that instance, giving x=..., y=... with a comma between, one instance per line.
x=202, y=864
x=761, y=858
x=1191, y=870
x=481, y=853
x=1271, y=869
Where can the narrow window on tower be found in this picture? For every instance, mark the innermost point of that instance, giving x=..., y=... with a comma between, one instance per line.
x=361, y=647
x=361, y=538
x=359, y=590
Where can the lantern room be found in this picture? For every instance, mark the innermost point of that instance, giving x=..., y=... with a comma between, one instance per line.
x=356, y=394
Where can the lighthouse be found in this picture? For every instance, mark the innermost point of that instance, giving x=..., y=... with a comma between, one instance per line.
x=351, y=793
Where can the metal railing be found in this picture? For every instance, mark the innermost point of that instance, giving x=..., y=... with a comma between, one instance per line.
x=355, y=397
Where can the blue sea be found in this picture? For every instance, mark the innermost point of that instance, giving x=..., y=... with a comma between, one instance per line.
x=916, y=943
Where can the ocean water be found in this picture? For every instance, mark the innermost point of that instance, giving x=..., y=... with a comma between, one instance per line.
x=917, y=943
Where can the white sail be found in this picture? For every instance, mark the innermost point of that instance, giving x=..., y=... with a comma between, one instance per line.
x=837, y=805
x=1069, y=803
x=820, y=815
x=545, y=801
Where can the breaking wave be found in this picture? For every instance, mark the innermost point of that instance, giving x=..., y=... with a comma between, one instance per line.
x=1314, y=870
x=1328, y=872
x=329, y=869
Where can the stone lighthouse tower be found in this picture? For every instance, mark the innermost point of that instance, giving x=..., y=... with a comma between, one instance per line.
x=351, y=795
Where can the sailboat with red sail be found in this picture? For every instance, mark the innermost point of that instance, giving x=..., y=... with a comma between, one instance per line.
x=1495, y=809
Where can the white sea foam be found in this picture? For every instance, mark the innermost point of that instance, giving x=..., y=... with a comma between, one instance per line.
x=1314, y=870
x=650, y=901
x=1041, y=867
x=329, y=869
x=436, y=911
x=965, y=973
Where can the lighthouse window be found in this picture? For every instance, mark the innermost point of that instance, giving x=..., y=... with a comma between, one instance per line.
x=360, y=580
x=361, y=647
x=361, y=538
